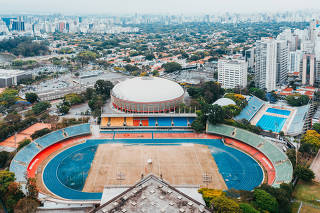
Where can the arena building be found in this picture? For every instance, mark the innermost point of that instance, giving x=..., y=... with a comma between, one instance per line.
x=147, y=95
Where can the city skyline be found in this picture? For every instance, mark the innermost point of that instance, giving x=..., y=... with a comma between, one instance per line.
x=163, y=7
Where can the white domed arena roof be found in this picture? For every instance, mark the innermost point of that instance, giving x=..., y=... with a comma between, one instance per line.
x=224, y=102
x=147, y=89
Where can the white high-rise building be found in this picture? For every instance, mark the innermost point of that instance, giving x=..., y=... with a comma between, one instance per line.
x=282, y=61
x=294, y=61
x=266, y=64
x=232, y=73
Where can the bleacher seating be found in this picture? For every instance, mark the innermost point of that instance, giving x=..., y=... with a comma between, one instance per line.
x=145, y=122
x=22, y=159
x=254, y=105
x=274, y=155
x=296, y=126
x=221, y=129
x=152, y=121
x=50, y=138
x=77, y=130
x=19, y=170
x=136, y=121
x=283, y=172
x=272, y=152
x=251, y=139
x=180, y=121
x=27, y=153
x=114, y=121
x=104, y=121
x=164, y=121
x=129, y=121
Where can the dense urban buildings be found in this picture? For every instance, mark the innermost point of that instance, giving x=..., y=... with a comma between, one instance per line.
x=160, y=113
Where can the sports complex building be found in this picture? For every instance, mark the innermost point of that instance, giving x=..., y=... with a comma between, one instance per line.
x=76, y=165
x=147, y=95
x=146, y=161
x=275, y=117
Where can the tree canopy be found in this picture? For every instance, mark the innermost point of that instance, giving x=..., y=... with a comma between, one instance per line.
x=222, y=204
x=85, y=57
x=264, y=201
x=24, y=46
x=171, y=67
x=32, y=97
x=40, y=107
x=297, y=100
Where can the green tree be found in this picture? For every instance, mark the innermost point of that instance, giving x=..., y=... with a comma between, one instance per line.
x=23, y=143
x=73, y=99
x=26, y=205
x=258, y=93
x=316, y=127
x=10, y=192
x=210, y=91
x=32, y=191
x=103, y=88
x=40, y=107
x=13, y=118
x=13, y=195
x=304, y=173
x=283, y=194
x=264, y=201
x=297, y=100
x=85, y=57
x=149, y=56
x=39, y=133
x=63, y=108
x=32, y=97
x=4, y=157
x=231, y=111
x=247, y=208
x=198, y=125
x=171, y=67
x=8, y=97
x=89, y=93
x=222, y=204
x=215, y=114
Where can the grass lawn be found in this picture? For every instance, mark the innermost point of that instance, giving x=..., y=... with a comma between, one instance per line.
x=295, y=207
x=309, y=209
x=307, y=192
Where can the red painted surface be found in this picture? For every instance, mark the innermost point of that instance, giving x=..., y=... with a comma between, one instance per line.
x=145, y=122
x=185, y=135
x=41, y=156
x=133, y=135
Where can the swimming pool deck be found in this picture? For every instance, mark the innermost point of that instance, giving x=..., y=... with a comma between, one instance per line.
x=263, y=111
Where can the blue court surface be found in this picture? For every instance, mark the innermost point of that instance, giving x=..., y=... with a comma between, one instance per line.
x=65, y=174
x=279, y=111
x=268, y=122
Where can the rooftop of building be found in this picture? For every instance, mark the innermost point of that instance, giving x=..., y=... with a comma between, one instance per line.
x=150, y=194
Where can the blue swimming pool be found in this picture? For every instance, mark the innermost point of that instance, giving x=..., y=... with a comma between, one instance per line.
x=279, y=111
x=238, y=169
x=273, y=123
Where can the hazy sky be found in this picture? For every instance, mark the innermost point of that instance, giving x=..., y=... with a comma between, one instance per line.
x=153, y=6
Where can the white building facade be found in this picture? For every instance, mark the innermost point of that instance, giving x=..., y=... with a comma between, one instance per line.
x=266, y=64
x=232, y=73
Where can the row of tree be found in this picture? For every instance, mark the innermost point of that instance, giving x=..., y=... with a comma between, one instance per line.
x=24, y=46
x=264, y=198
x=96, y=98
x=12, y=196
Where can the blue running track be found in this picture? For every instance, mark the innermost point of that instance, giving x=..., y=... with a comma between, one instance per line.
x=65, y=174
